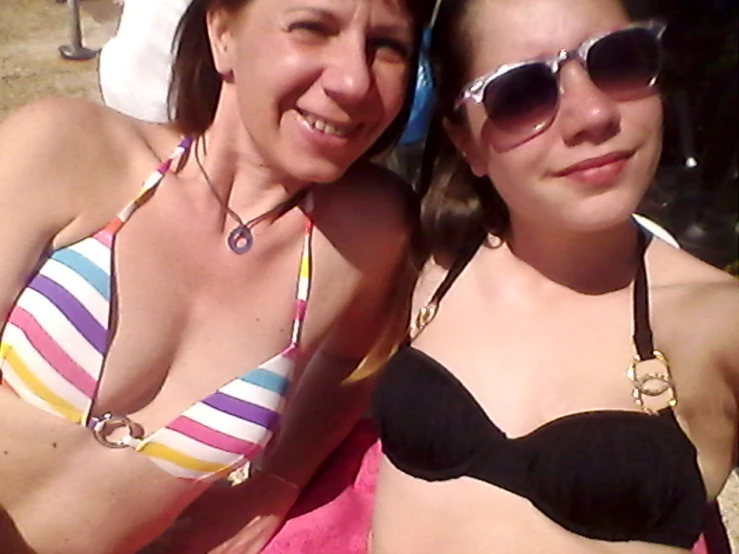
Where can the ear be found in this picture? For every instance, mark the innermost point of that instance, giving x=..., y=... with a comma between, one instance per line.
x=460, y=136
x=221, y=39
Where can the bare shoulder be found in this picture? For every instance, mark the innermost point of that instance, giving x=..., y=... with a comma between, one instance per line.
x=669, y=266
x=63, y=143
x=72, y=153
x=369, y=210
x=699, y=303
x=368, y=192
x=57, y=127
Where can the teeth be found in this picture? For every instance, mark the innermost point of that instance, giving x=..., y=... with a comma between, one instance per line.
x=325, y=127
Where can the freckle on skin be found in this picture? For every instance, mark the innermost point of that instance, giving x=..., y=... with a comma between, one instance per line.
x=54, y=444
x=6, y=452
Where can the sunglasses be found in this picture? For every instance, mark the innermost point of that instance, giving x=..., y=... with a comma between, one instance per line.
x=521, y=99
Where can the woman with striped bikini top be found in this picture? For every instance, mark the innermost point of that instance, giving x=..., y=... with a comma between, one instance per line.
x=54, y=345
x=129, y=349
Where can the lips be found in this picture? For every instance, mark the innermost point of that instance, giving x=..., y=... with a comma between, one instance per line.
x=601, y=171
x=613, y=158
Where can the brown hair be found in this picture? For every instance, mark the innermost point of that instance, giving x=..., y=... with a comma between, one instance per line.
x=458, y=207
x=196, y=85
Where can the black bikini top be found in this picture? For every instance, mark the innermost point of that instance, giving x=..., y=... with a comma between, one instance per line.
x=612, y=475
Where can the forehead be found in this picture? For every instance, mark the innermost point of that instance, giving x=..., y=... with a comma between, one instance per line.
x=376, y=9
x=505, y=31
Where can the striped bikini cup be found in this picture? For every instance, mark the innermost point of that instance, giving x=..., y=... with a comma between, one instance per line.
x=57, y=335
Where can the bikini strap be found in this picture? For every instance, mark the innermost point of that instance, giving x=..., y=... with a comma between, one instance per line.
x=647, y=383
x=304, y=274
x=428, y=312
x=643, y=338
x=153, y=180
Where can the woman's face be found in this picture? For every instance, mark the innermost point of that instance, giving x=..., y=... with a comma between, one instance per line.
x=316, y=81
x=590, y=167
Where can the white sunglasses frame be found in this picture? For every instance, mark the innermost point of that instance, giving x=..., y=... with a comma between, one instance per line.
x=475, y=89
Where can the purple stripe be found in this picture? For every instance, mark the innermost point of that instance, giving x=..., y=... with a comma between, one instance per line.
x=73, y=310
x=243, y=410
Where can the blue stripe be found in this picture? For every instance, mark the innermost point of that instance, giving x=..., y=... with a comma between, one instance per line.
x=267, y=380
x=91, y=273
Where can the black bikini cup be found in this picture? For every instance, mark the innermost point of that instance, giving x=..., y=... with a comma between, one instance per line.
x=607, y=475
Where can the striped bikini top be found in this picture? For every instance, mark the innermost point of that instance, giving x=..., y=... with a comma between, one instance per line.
x=57, y=335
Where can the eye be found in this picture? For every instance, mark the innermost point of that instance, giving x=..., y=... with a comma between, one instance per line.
x=311, y=28
x=391, y=46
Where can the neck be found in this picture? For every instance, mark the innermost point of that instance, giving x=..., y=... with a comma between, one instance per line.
x=241, y=177
x=589, y=262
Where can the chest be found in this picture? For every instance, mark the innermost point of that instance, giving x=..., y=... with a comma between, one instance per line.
x=162, y=314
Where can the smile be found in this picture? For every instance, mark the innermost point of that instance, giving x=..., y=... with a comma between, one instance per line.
x=323, y=126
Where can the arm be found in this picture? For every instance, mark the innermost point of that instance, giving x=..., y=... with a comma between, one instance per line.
x=36, y=202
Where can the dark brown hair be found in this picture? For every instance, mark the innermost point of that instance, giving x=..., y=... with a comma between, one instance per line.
x=196, y=85
x=458, y=208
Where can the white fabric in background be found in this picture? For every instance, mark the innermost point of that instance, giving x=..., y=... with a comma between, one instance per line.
x=656, y=230
x=135, y=65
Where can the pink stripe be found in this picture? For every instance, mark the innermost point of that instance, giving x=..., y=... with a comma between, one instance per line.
x=211, y=437
x=50, y=351
x=300, y=307
x=105, y=236
x=166, y=164
x=290, y=353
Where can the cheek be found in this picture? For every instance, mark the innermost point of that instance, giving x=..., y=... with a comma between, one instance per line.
x=392, y=85
x=511, y=175
x=648, y=117
x=646, y=123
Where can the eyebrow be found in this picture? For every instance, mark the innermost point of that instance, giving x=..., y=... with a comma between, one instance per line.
x=404, y=29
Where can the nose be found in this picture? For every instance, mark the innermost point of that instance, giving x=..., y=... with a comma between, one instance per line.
x=586, y=114
x=347, y=77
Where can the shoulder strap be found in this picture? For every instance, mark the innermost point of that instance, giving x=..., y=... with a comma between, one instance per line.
x=304, y=274
x=643, y=338
x=428, y=312
x=153, y=180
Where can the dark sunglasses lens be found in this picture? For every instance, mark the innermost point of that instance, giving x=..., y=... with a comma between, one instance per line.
x=523, y=99
x=625, y=62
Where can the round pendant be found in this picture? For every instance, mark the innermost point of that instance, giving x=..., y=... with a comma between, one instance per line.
x=240, y=240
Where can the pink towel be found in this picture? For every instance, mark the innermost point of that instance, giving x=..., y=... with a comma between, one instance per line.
x=333, y=514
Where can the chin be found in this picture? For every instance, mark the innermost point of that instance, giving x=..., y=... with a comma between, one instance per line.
x=597, y=218
x=597, y=222
x=317, y=171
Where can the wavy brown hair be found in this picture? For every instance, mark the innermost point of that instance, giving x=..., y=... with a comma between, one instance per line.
x=196, y=85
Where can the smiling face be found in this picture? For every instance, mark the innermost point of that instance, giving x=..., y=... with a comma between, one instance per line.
x=316, y=81
x=589, y=169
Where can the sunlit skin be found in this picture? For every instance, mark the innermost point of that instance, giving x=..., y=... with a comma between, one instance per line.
x=345, y=63
x=539, y=326
x=588, y=124
x=190, y=314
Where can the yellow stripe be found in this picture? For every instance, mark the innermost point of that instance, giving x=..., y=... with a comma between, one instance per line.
x=304, y=268
x=64, y=408
x=157, y=450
